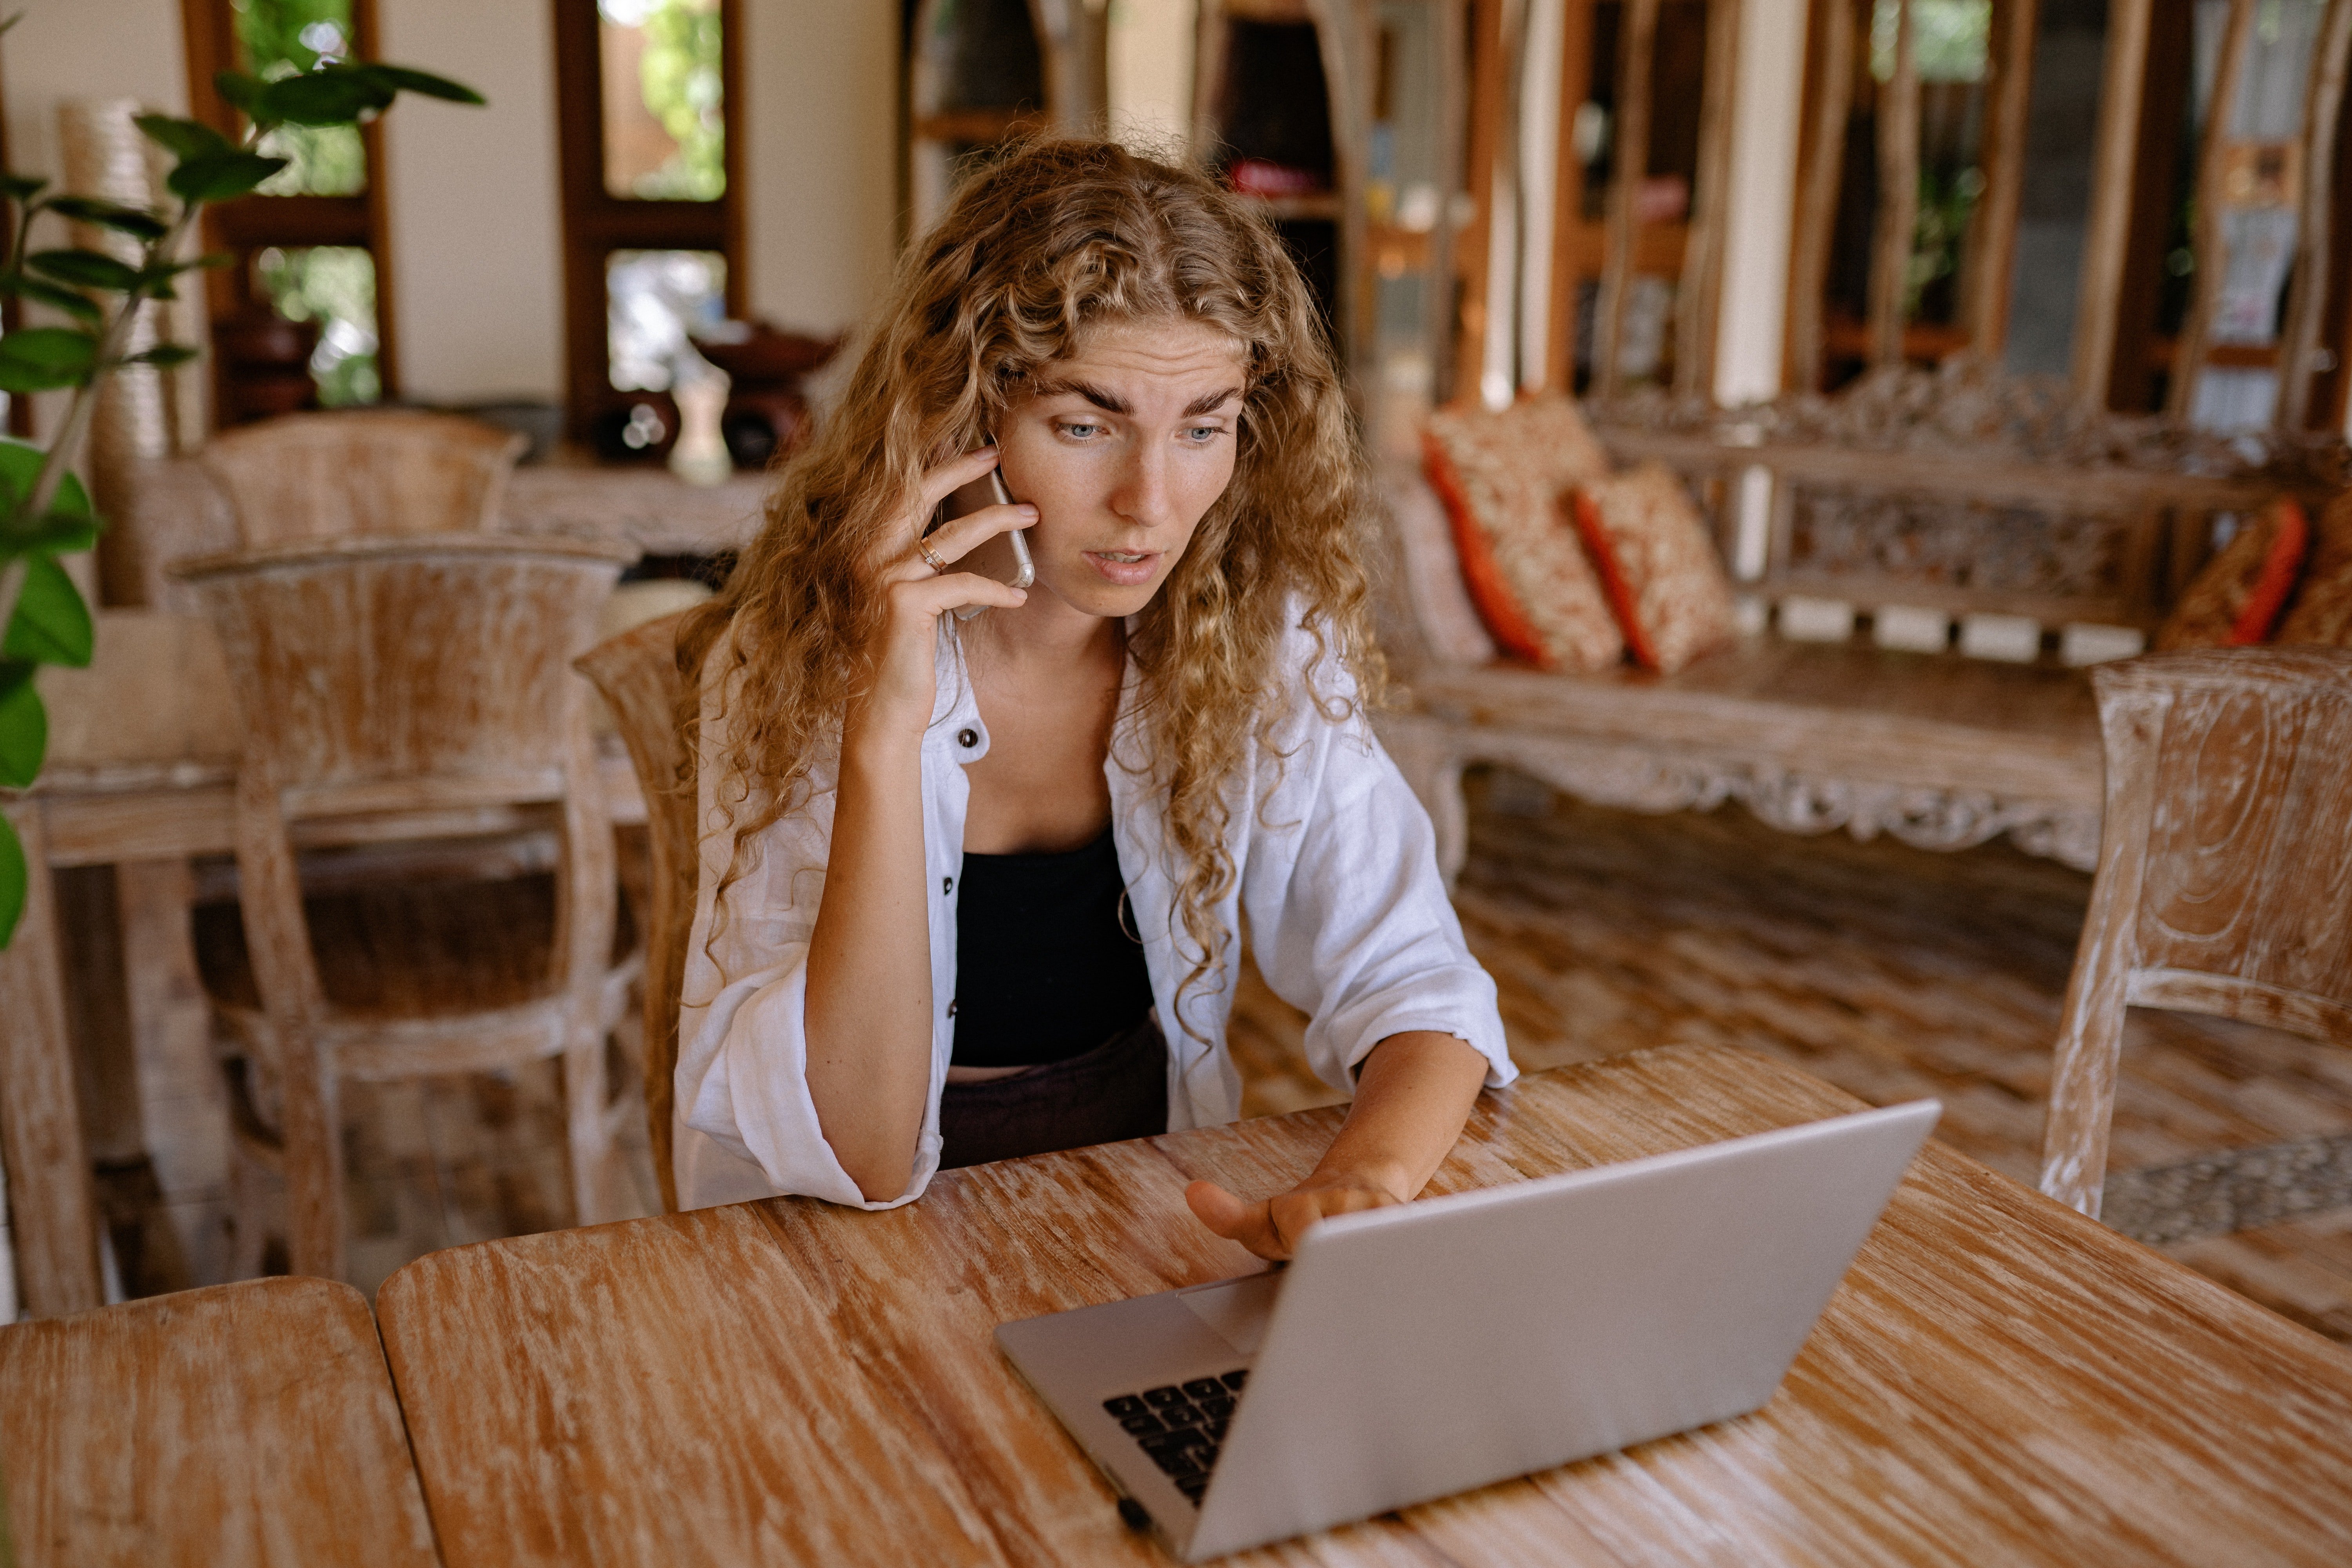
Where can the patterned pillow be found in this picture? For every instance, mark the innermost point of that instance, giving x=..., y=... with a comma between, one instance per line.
x=1672, y=597
x=1500, y=475
x=2236, y=599
x=2322, y=611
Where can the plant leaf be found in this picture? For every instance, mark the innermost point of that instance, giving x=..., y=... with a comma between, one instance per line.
x=51, y=625
x=13, y=880
x=331, y=95
x=164, y=356
x=81, y=307
x=35, y=359
x=135, y=221
x=221, y=176
x=58, y=533
x=24, y=726
x=183, y=138
x=174, y=269
x=22, y=188
x=84, y=269
x=407, y=78
x=242, y=92
x=20, y=467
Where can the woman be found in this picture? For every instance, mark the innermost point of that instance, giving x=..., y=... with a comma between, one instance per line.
x=971, y=889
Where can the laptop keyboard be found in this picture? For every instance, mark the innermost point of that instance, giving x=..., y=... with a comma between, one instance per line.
x=1181, y=1425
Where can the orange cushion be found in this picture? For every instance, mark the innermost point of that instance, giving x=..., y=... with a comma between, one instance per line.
x=1648, y=538
x=2322, y=610
x=1500, y=475
x=2236, y=600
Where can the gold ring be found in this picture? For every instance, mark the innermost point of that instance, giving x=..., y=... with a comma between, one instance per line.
x=930, y=556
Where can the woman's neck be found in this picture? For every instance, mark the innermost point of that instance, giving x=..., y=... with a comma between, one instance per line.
x=1044, y=634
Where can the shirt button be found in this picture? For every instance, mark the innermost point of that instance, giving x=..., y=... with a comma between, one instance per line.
x=952, y=1007
x=947, y=885
x=967, y=739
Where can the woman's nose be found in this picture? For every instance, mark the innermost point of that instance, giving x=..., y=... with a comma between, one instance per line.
x=1141, y=496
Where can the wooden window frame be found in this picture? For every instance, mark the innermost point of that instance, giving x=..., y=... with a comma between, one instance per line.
x=596, y=223
x=257, y=221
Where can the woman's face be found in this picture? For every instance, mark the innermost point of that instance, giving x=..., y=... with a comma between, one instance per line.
x=1122, y=448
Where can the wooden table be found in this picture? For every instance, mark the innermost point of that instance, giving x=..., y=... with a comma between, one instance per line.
x=141, y=767
x=1997, y=1381
x=250, y=1424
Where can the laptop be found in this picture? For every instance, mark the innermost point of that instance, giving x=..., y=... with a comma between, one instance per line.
x=1414, y=1352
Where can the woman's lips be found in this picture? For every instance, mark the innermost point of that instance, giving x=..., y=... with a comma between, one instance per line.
x=1124, y=573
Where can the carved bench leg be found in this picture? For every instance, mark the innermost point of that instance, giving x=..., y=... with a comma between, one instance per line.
x=1432, y=767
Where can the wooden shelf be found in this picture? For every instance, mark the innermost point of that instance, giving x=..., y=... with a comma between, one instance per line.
x=1657, y=248
x=1323, y=204
x=1396, y=251
x=1927, y=343
x=2162, y=352
x=977, y=124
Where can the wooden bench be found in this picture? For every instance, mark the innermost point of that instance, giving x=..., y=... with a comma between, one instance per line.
x=1926, y=563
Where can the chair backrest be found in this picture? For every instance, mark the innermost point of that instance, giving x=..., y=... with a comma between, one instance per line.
x=389, y=674
x=2225, y=868
x=361, y=472
x=638, y=674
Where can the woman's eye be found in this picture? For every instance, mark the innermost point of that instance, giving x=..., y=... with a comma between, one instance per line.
x=1202, y=434
x=1080, y=430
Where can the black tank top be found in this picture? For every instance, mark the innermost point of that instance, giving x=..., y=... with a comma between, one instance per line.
x=1045, y=968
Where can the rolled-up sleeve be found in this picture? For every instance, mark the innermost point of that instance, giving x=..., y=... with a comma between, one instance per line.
x=1348, y=917
x=742, y=1059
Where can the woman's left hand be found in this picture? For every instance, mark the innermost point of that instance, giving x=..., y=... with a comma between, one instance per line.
x=1272, y=1228
x=1413, y=1094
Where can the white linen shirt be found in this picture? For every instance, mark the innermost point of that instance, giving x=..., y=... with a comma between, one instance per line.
x=1336, y=872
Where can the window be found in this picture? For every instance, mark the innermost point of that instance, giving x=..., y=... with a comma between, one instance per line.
x=301, y=316
x=650, y=100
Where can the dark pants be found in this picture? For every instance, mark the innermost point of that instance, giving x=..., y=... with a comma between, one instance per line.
x=1117, y=1090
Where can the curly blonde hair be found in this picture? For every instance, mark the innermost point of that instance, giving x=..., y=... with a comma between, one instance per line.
x=1051, y=238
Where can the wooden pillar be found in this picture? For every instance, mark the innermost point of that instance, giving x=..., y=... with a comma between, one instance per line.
x=52, y=1202
x=2212, y=252
x=1636, y=48
x=1988, y=269
x=1487, y=99
x=1698, y=299
x=2307, y=298
x=1817, y=194
x=1763, y=142
x=1899, y=195
x=2106, y=236
x=1568, y=194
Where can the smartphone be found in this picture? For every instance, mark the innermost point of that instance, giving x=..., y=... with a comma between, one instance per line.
x=1004, y=557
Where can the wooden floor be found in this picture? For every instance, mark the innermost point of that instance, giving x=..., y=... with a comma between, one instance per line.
x=1891, y=971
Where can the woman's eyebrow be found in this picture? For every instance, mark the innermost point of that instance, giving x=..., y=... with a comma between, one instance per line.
x=1109, y=403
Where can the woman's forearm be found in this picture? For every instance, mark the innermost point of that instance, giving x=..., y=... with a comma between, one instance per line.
x=1414, y=1092
x=868, y=1016
x=1412, y=1095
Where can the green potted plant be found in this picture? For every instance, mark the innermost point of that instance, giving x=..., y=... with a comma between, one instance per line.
x=44, y=511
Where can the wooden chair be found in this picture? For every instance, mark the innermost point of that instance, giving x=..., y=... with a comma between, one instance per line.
x=400, y=690
x=2225, y=871
x=361, y=472
x=638, y=674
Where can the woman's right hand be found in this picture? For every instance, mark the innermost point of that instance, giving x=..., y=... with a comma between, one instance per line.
x=868, y=1006
x=918, y=592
